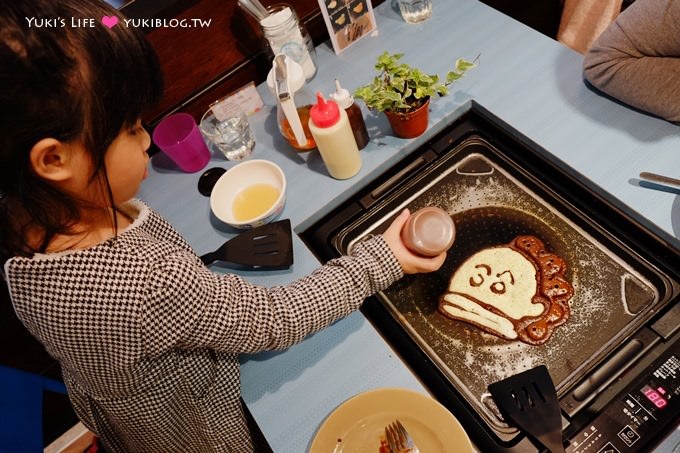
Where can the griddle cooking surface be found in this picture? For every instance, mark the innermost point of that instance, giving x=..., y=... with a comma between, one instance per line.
x=491, y=206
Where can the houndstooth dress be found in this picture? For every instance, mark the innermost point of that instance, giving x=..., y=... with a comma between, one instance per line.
x=148, y=338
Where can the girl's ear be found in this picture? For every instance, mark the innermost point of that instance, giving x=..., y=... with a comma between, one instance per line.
x=50, y=160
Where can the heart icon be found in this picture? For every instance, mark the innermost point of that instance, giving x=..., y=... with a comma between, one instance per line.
x=110, y=21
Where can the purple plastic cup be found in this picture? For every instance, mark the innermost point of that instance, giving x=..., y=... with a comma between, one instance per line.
x=178, y=136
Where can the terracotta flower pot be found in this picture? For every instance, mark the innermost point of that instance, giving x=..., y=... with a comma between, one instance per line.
x=411, y=124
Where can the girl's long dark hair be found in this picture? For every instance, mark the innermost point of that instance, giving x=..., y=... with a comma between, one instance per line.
x=64, y=82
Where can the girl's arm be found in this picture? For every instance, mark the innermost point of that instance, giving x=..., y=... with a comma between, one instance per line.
x=189, y=306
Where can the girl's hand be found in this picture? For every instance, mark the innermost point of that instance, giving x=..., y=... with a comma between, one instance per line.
x=410, y=262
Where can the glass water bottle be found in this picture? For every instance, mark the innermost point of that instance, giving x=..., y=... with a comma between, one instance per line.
x=286, y=35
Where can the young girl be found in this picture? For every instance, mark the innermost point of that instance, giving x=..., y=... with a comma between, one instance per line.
x=147, y=337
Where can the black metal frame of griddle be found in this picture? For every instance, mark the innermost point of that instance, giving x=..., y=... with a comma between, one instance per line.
x=605, y=212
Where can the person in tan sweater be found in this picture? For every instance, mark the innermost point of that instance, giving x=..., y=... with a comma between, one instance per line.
x=582, y=21
x=637, y=58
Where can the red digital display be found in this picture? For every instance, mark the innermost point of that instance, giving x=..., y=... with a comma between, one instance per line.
x=655, y=396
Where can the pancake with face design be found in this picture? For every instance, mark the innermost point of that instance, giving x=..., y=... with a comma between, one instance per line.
x=515, y=291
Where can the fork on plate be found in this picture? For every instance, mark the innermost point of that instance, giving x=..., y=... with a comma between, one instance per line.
x=398, y=439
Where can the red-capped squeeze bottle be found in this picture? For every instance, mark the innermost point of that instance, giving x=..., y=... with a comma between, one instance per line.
x=356, y=119
x=334, y=139
x=429, y=231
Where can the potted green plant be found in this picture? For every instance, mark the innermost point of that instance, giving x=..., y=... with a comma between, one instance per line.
x=403, y=92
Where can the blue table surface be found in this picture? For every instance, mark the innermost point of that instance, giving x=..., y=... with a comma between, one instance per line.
x=526, y=79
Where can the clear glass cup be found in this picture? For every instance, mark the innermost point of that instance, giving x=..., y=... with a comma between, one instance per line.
x=414, y=11
x=225, y=125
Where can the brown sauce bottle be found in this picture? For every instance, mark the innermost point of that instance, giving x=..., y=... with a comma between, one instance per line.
x=356, y=119
x=429, y=231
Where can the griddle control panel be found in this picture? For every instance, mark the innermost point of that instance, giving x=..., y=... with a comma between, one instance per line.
x=634, y=419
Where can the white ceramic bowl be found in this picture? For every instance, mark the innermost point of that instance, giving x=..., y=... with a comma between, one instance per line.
x=243, y=177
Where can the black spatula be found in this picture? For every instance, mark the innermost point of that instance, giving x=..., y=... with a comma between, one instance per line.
x=267, y=246
x=529, y=399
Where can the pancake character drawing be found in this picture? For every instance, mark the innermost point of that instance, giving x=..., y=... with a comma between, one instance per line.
x=516, y=291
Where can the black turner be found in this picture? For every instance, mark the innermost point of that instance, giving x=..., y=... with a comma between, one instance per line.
x=529, y=399
x=269, y=246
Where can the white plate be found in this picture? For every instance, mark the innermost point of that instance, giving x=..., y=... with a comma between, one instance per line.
x=358, y=424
